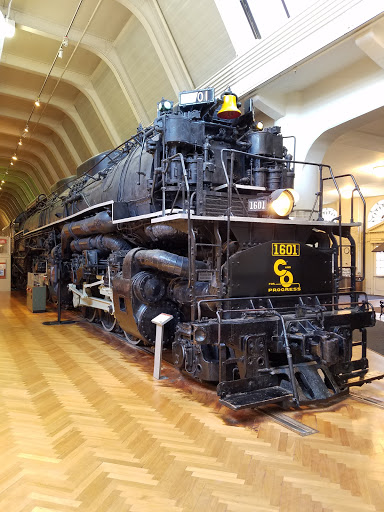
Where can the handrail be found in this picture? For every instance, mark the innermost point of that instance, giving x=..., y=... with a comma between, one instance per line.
x=288, y=162
x=356, y=189
x=229, y=203
x=334, y=302
x=191, y=237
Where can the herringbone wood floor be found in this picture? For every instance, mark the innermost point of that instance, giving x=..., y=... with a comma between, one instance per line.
x=85, y=428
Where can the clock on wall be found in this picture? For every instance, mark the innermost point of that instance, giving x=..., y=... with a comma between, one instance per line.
x=329, y=214
x=376, y=214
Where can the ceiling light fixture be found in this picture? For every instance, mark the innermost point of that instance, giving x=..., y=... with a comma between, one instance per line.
x=37, y=102
x=11, y=163
x=26, y=129
x=20, y=143
x=64, y=44
x=14, y=157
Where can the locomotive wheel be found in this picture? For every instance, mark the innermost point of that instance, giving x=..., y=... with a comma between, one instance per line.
x=88, y=313
x=132, y=340
x=108, y=321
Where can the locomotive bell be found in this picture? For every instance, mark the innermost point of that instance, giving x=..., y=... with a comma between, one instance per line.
x=229, y=108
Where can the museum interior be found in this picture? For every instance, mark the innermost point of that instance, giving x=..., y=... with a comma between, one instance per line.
x=192, y=255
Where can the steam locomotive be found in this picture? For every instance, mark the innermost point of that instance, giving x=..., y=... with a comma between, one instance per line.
x=191, y=217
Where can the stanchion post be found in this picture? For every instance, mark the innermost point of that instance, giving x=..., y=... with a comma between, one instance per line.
x=159, y=321
x=59, y=321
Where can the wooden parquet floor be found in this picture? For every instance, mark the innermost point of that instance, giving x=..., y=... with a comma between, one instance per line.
x=84, y=427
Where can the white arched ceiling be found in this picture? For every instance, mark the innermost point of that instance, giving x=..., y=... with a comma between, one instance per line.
x=133, y=53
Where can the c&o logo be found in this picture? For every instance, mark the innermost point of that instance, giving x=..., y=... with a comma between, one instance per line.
x=286, y=277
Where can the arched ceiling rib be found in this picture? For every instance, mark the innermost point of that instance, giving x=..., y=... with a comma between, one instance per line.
x=23, y=180
x=11, y=206
x=42, y=142
x=18, y=101
x=33, y=147
x=12, y=118
x=127, y=60
x=36, y=177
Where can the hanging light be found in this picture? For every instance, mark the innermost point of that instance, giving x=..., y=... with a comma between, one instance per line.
x=14, y=157
x=20, y=143
x=37, y=102
x=2, y=181
x=11, y=163
x=26, y=129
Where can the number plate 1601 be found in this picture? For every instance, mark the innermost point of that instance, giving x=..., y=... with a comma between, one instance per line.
x=257, y=205
x=279, y=249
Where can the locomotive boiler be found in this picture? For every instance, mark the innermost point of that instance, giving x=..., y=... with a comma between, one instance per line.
x=192, y=217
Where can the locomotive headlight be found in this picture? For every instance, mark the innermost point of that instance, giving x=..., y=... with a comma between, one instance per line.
x=165, y=105
x=282, y=201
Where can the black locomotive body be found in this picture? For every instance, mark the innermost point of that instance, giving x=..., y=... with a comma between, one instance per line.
x=191, y=218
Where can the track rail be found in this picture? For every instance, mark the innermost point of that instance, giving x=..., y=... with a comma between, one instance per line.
x=368, y=400
x=290, y=423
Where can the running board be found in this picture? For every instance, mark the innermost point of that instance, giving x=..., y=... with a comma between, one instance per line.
x=256, y=398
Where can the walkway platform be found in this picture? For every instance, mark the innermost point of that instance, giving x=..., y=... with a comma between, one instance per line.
x=84, y=427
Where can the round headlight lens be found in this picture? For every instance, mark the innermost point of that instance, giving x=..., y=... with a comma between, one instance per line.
x=283, y=203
